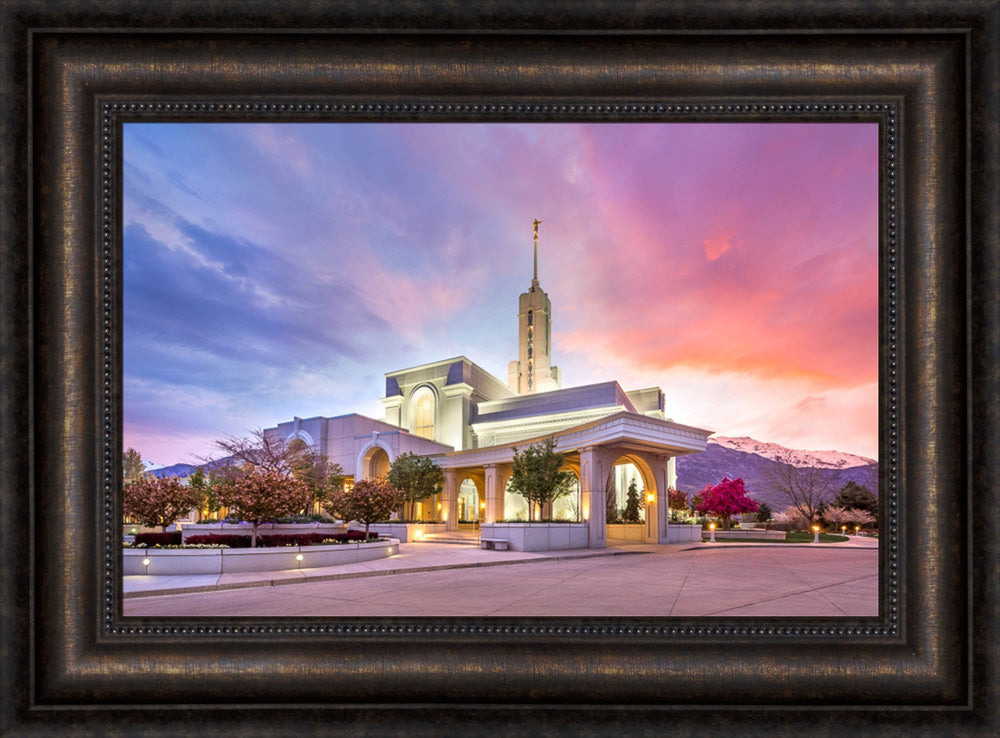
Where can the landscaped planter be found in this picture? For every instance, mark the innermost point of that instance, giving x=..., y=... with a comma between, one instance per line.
x=538, y=536
x=229, y=560
x=683, y=533
x=744, y=533
x=407, y=532
x=626, y=532
x=264, y=529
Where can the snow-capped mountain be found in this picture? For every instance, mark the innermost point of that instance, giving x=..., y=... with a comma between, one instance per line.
x=774, y=452
x=754, y=461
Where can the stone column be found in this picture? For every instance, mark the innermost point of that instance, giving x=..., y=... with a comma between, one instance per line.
x=496, y=485
x=494, y=506
x=661, y=473
x=593, y=474
x=449, y=498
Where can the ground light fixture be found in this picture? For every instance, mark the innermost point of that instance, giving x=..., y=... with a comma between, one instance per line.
x=145, y=563
x=711, y=528
x=298, y=558
x=843, y=529
x=856, y=529
x=815, y=534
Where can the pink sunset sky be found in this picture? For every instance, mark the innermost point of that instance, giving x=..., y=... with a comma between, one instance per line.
x=279, y=270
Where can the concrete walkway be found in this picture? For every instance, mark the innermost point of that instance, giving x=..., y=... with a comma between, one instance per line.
x=632, y=580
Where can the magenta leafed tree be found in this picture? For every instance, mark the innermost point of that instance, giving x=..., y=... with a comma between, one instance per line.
x=726, y=499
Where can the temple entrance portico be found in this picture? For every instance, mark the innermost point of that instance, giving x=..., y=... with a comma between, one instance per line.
x=591, y=451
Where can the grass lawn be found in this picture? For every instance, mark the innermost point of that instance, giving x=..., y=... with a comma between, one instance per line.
x=792, y=536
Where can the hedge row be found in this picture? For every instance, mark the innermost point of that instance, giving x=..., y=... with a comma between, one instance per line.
x=278, y=540
x=158, y=539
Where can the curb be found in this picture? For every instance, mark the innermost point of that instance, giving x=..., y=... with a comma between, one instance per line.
x=363, y=574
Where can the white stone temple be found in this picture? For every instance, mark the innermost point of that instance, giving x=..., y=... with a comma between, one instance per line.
x=469, y=422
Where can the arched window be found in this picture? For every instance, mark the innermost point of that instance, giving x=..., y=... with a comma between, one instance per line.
x=422, y=410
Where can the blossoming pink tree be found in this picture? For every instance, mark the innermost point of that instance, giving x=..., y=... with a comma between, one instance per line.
x=259, y=496
x=154, y=501
x=726, y=499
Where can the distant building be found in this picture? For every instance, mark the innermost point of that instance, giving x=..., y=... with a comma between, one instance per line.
x=469, y=422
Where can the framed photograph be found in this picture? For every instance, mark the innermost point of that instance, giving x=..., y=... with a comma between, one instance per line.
x=78, y=83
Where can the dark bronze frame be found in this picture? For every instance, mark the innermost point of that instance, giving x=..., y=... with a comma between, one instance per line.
x=927, y=72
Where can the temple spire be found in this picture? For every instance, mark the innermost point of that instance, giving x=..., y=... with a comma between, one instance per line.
x=534, y=279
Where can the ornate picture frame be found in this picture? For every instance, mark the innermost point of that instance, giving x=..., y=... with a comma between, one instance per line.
x=927, y=73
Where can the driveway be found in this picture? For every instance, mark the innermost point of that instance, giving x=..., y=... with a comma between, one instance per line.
x=699, y=580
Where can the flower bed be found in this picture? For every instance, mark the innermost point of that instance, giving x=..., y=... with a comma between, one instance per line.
x=230, y=560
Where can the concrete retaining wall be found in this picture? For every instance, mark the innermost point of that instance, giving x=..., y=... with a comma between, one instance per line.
x=229, y=560
x=538, y=536
x=683, y=533
x=407, y=532
x=745, y=533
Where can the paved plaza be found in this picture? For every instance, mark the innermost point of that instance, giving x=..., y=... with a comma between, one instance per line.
x=442, y=580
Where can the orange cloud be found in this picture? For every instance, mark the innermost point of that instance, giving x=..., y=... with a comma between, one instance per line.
x=716, y=246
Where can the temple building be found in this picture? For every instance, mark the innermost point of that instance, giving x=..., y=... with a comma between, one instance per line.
x=470, y=422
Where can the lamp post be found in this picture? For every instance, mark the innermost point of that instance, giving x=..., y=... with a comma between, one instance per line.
x=145, y=563
x=815, y=534
x=298, y=559
x=711, y=528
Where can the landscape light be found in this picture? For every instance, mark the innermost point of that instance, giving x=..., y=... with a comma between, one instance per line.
x=145, y=562
x=815, y=534
x=711, y=528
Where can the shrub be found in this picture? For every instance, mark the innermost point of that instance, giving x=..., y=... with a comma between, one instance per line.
x=292, y=539
x=231, y=540
x=157, y=539
x=279, y=540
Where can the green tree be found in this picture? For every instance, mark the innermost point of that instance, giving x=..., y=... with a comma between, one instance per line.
x=156, y=501
x=259, y=496
x=537, y=474
x=201, y=483
x=132, y=465
x=858, y=497
x=632, y=504
x=764, y=512
x=416, y=477
x=369, y=501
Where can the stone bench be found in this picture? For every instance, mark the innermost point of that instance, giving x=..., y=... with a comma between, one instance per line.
x=498, y=544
